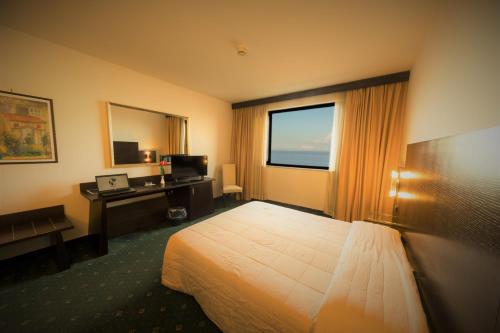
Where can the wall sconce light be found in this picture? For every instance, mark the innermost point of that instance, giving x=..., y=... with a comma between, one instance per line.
x=395, y=193
x=394, y=184
x=395, y=179
x=147, y=156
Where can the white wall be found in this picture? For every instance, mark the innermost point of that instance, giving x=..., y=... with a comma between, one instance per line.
x=79, y=86
x=455, y=81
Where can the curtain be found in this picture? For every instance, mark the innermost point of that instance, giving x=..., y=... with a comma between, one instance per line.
x=335, y=144
x=247, y=150
x=371, y=145
x=185, y=136
x=174, y=127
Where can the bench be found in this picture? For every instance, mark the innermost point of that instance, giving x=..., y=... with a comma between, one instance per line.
x=50, y=221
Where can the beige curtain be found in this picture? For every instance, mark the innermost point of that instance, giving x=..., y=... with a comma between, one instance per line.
x=174, y=127
x=185, y=136
x=336, y=142
x=371, y=144
x=247, y=150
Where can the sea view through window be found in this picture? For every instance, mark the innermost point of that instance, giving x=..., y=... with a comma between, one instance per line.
x=301, y=137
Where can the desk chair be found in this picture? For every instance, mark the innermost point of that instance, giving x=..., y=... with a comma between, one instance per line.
x=229, y=181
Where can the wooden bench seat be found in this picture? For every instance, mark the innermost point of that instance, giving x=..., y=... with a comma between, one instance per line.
x=50, y=221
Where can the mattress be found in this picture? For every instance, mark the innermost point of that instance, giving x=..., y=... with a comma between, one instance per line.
x=266, y=268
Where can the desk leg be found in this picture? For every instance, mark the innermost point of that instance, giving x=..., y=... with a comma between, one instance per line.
x=98, y=226
x=62, y=254
x=103, y=232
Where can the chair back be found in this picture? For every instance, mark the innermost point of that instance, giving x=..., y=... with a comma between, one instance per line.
x=229, y=174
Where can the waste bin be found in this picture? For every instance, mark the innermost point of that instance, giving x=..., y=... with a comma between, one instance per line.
x=176, y=215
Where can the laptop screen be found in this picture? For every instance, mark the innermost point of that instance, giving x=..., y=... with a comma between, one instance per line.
x=112, y=182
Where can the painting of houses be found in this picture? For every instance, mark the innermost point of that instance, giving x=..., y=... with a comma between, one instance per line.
x=27, y=133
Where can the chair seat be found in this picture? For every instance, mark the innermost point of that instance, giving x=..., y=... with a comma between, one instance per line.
x=232, y=189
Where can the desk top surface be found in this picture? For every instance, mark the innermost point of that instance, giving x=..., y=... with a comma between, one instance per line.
x=87, y=189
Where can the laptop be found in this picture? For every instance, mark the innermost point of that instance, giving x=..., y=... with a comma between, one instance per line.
x=109, y=185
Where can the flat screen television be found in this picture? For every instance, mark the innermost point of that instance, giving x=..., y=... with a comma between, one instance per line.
x=188, y=167
x=126, y=152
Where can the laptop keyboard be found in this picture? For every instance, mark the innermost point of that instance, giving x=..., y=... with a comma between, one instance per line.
x=117, y=192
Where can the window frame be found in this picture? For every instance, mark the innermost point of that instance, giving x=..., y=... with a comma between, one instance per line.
x=270, y=132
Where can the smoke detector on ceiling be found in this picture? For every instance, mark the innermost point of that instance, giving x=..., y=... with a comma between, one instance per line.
x=241, y=50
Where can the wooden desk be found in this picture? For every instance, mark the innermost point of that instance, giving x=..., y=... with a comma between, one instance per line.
x=196, y=196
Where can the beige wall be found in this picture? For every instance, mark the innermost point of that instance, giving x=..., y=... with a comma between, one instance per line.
x=301, y=187
x=80, y=85
x=455, y=82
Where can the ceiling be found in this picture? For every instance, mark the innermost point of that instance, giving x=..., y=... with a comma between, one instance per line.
x=292, y=45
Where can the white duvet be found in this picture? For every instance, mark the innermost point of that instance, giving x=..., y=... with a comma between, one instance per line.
x=266, y=268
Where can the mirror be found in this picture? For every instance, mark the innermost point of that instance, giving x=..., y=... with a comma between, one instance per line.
x=140, y=136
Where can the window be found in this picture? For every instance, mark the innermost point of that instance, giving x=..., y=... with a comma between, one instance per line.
x=301, y=137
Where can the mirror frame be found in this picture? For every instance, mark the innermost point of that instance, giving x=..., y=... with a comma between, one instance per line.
x=110, y=133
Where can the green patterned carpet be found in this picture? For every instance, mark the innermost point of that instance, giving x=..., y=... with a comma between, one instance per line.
x=119, y=292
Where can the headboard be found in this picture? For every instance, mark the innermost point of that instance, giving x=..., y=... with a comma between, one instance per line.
x=451, y=207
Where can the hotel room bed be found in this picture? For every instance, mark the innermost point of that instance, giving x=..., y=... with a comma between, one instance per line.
x=266, y=268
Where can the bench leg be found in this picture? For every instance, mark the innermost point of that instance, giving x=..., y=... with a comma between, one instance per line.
x=62, y=254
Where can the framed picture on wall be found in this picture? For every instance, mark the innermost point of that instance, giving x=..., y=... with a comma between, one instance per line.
x=27, y=131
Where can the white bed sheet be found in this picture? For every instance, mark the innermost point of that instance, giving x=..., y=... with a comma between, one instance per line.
x=258, y=267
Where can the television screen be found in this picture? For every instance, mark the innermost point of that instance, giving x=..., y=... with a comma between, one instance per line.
x=184, y=166
x=126, y=152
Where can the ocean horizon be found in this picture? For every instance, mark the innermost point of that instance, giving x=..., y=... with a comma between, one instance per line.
x=301, y=157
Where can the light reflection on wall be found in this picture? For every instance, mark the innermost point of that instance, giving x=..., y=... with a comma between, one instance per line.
x=147, y=156
x=408, y=175
x=405, y=195
x=395, y=183
x=395, y=179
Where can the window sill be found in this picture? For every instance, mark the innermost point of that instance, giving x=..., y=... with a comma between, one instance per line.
x=274, y=166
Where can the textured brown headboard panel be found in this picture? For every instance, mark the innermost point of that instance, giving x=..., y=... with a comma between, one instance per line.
x=452, y=208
